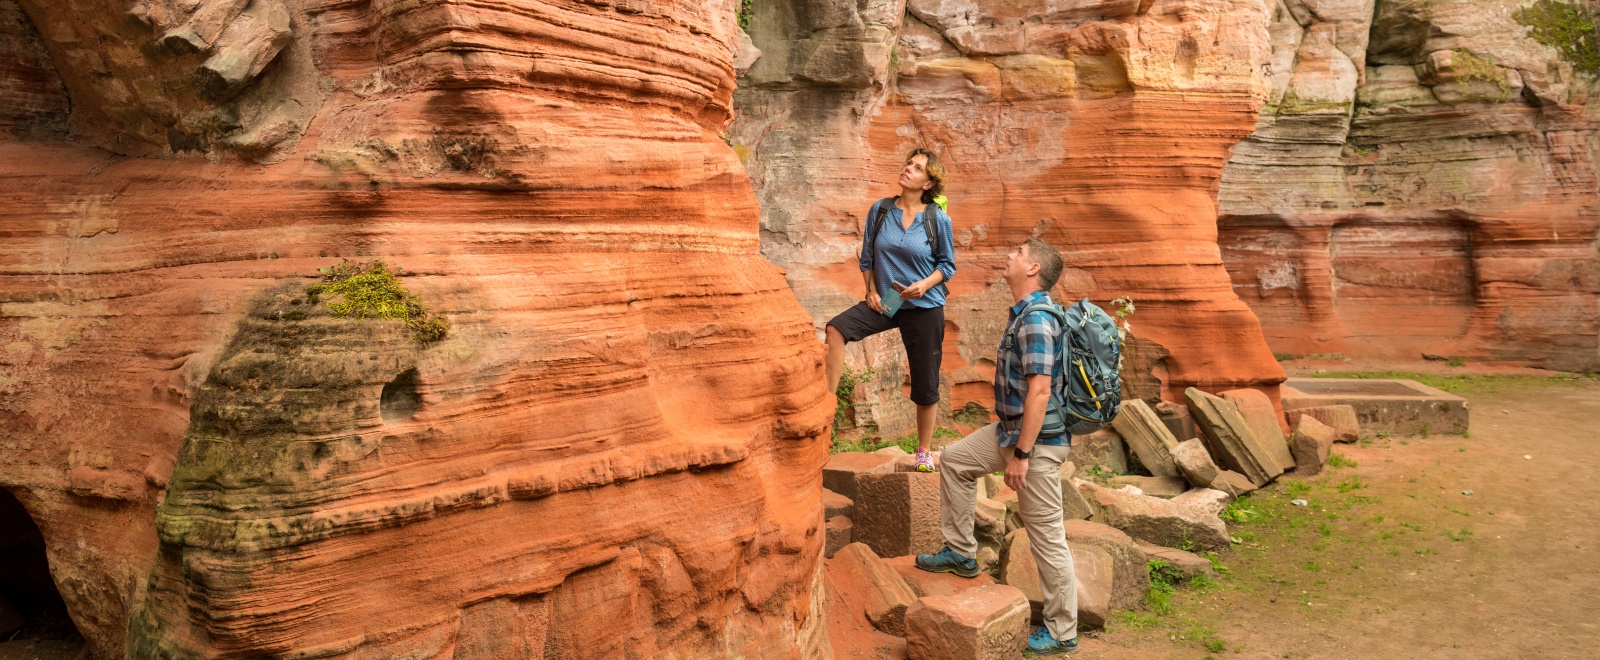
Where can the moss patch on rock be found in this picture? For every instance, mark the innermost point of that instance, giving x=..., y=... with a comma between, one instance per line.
x=372, y=290
x=1567, y=27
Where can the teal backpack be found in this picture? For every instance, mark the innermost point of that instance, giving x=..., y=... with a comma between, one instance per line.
x=1089, y=393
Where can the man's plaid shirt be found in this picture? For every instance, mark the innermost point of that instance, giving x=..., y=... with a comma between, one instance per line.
x=1028, y=347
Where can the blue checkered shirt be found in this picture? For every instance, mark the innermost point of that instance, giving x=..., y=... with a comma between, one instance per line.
x=1027, y=348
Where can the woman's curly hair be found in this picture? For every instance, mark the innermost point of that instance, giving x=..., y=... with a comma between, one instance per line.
x=936, y=174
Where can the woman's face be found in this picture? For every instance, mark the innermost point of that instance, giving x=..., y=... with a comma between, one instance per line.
x=915, y=174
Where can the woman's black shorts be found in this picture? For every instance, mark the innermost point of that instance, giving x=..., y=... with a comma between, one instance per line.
x=922, y=332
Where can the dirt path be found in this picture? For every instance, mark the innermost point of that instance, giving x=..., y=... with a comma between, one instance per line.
x=1393, y=560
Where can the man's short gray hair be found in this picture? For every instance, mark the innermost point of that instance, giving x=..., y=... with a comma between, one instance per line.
x=1049, y=261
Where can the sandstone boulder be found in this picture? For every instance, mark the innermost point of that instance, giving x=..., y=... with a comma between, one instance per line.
x=1095, y=572
x=1188, y=563
x=1162, y=522
x=839, y=474
x=1130, y=577
x=1207, y=501
x=1175, y=416
x=1232, y=483
x=1073, y=506
x=834, y=504
x=1230, y=438
x=1163, y=487
x=873, y=586
x=1263, y=419
x=898, y=513
x=1147, y=437
x=1019, y=569
x=982, y=623
x=1201, y=472
x=1311, y=441
x=838, y=535
x=1342, y=419
x=1103, y=448
x=926, y=583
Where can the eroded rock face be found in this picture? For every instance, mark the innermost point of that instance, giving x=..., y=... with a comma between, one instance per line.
x=1101, y=127
x=618, y=444
x=1432, y=191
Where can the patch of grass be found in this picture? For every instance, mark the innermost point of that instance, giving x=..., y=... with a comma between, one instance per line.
x=1466, y=383
x=1297, y=489
x=1458, y=536
x=1353, y=483
x=1336, y=459
x=372, y=290
x=1240, y=511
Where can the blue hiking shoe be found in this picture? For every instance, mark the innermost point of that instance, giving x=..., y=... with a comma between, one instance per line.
x=1041, y=643
x=948, y=561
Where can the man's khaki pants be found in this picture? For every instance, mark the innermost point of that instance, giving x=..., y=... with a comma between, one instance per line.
x=960, y=466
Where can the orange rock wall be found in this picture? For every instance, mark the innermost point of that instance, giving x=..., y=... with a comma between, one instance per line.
x=1101, y=127
x=618, y=445
x=1421, y=184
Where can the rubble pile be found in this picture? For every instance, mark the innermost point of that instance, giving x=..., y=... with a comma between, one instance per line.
x=1149, y=487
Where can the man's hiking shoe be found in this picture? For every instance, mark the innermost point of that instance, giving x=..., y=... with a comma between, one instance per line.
x=1041, y=643
x=948, y=561
x=924, y=461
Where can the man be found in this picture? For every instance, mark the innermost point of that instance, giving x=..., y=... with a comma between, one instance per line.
x=1024, y=369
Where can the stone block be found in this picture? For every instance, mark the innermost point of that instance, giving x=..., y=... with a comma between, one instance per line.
x=1073, y=506
x=990, y=484
x=1399, y=406
x=871, y=584
x=891, y=450
x=898, y=513
x=1263, y=419
x=1342, y=419
x=1311, y=442
x=838, y=535
x=1232, y=483
x=1104, y=448
x=982, y=623
x=1131, y=577
x=1018, y=569
x=1158, y=521
x=1209, y=501
x=1163, y=487
x=1175, y=416
x=925, y=583
x=1147, y=437
x=834, y=504
x=1188, y=563
x=1195, y=463
x=1095, y=571
x=1231, y=439
x=839, y=474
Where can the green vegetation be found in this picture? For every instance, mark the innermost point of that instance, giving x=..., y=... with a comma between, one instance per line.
x=1292, y=104
x=1469, y=67
x=372, y=290
x=907, y=442
x=746, y=8
x=1240, y=511
x=844, y=410
x=1336, y=459
x=1466, y=383
x=1567, y=27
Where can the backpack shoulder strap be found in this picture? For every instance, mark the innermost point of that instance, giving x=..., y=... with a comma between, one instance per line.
x=876, y=226
x=930, y=224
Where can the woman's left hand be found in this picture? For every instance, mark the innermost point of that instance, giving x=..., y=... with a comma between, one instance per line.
x=914, y=291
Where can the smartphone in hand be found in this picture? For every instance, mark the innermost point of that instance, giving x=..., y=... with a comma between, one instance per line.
x=898, y=286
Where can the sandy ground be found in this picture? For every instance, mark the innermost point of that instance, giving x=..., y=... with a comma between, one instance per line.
x=1485, y=546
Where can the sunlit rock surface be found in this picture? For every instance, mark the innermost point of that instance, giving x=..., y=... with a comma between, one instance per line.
x=1101, y=127
x=1422, y=183
x=618, y=445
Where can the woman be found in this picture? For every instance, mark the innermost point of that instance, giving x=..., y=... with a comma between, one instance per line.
x=900, y=254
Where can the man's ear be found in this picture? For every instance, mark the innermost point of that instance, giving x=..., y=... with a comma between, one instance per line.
x=1033, y=269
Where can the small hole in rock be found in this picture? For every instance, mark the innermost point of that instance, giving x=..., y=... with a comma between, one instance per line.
x=400, y=400
x=33, y=617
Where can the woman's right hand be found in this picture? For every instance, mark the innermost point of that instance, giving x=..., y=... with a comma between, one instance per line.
x=875, y=301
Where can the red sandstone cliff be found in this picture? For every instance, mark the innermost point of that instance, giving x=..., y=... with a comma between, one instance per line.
x=1423, y=182
x=1102, y=127
x=618, y=444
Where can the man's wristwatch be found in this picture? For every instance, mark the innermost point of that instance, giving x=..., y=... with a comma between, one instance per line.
x=1017, y=452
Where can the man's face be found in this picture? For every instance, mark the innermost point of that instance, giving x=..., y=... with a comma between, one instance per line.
x=1018, y=263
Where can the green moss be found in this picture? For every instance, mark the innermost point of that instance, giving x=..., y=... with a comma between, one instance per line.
x=1469, y=67
x=1292, y=104
x=1567, y=27
x=371, y=290
x=746, y=8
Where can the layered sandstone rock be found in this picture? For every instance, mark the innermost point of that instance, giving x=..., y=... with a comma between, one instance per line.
x=618, y=444
x=1432, y=192
x=1101, y=127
